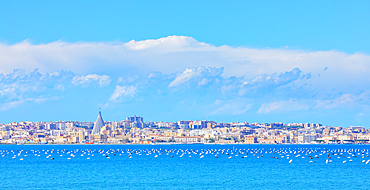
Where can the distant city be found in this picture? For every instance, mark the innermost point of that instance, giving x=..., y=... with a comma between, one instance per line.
x=134, y=130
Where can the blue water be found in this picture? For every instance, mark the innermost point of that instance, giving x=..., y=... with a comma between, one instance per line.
x=166, y=172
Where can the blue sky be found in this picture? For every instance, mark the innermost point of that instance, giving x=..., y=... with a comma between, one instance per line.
x=254, y=61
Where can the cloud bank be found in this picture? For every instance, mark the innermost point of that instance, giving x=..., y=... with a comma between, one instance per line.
x=177, y=75
x=103, y=80
x=173, y=54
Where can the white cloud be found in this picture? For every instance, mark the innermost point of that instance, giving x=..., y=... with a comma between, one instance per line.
x=199, y=73
x=103, y=80
x=39, y=100
x=266, y=83
x=123, y=91
x=204, y=81
x=127, y=79
x=19, y=87
x=344, y=100
x=184, y=77
x=246, y=72
x=174, y=62
x=20, y=83
x=236, y=106
x=283, y=106
x=170, y=43
x=13, y=104
x=176, y=53
x=120, y=79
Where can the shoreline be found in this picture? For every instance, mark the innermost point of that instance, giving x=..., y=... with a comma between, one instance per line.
x=185, y=144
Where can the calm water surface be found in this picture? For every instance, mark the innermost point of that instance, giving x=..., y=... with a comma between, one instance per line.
x=37, y=170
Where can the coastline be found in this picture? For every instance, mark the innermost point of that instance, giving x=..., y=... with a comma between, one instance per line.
x=257, y=144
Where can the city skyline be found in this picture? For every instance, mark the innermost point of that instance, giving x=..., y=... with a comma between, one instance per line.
x=279, y=62
x=133, y=130
x=149, y=123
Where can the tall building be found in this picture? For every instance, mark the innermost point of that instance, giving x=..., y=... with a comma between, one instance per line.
x=135, y=118
x=199, y=124
x=61, y=125
x=99, y=123
x=183, y=124
x=136, y=121
x=51, y=126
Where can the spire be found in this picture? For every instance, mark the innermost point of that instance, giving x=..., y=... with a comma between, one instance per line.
x=99, y=123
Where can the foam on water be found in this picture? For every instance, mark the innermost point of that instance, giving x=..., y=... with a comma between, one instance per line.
x=184, y=166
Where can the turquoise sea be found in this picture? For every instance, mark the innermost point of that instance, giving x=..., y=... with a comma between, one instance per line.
x=171, y=167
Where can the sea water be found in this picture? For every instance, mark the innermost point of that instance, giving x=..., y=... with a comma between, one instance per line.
x=113, y=167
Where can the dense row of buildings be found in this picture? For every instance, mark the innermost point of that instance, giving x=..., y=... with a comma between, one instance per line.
x=134, y=130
